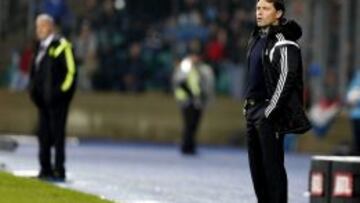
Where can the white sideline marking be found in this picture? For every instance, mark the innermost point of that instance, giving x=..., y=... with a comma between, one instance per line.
x=25, y=173
x=32, y=139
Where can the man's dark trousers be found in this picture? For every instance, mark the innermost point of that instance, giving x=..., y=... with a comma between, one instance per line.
x=51, y=132
x=191, y=119
x=266, y=156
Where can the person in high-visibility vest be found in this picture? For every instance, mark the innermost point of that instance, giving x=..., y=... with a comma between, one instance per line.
x=52, y=86
x=193, y=82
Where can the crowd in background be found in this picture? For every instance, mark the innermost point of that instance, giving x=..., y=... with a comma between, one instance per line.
x=133, y=45
x=120, y=50
x=131, y=53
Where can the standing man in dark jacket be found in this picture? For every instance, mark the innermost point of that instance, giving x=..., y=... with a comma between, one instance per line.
x=52, y=86
x=274, y=98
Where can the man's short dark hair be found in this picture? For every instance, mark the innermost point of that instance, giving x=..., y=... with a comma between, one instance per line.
x=278, y=4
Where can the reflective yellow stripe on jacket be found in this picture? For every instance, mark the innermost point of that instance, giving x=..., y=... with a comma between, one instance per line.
x=180, y=94
x=65, y=46
x=192, y=81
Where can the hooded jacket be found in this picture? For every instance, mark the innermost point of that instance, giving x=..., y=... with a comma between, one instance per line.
x=283, y=74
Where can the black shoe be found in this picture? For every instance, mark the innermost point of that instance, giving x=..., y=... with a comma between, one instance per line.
x=59, y=176
x=188, y=151
x=45, y=175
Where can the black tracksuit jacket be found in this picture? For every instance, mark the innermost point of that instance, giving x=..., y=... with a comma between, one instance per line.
x=283, y=74
x=53, y=81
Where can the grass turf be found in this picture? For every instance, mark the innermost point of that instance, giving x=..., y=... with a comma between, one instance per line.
x=20, y=190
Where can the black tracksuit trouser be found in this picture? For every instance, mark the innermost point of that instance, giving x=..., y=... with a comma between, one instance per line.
x=266, y=156
x=51, y=132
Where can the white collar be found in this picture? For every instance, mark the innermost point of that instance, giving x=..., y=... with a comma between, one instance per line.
x=46, y=42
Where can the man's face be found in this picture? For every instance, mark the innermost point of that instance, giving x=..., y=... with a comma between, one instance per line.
x=195, y=58
x=43, y=29
x=266, y=14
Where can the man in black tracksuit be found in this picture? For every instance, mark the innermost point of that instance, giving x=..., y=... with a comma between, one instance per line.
x=274, y=98
x=52, y=86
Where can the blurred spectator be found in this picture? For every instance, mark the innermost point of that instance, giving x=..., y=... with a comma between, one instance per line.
x=215, y=51
x=111, y=46
x=137, y=31
x=331, y=85
x=191, y=25
x=169, y=29
x=159, y=58
x=211, y=12
x=85, y=52
x=20, y=78
x=161, y=77
x=134, y=76
x=59, y=10
x=315, y=73
x=13, y=73
x=353, y=100
x=215, y=48
x=91, y=12
x=323, y=113
x=223, y=18
x=236, y=56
